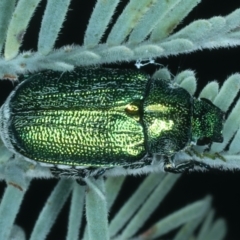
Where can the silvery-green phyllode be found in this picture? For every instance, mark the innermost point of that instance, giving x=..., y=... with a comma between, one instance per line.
x=99, y=121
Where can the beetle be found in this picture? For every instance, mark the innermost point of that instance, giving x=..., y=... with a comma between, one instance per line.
x=94, y=121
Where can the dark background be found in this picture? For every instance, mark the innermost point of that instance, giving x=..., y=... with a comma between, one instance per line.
x=208, y=65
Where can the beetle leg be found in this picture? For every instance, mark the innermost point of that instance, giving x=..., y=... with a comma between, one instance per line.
x=77, y=173
x=184, y=166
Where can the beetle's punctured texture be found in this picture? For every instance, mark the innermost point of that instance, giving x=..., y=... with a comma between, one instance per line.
x=103, y=118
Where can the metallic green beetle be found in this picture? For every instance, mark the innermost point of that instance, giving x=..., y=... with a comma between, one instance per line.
x=87, y=121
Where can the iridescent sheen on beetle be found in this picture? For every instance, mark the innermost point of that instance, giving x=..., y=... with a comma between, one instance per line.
x=91, y=120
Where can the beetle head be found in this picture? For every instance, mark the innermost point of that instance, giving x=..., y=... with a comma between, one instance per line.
x=207, y=122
